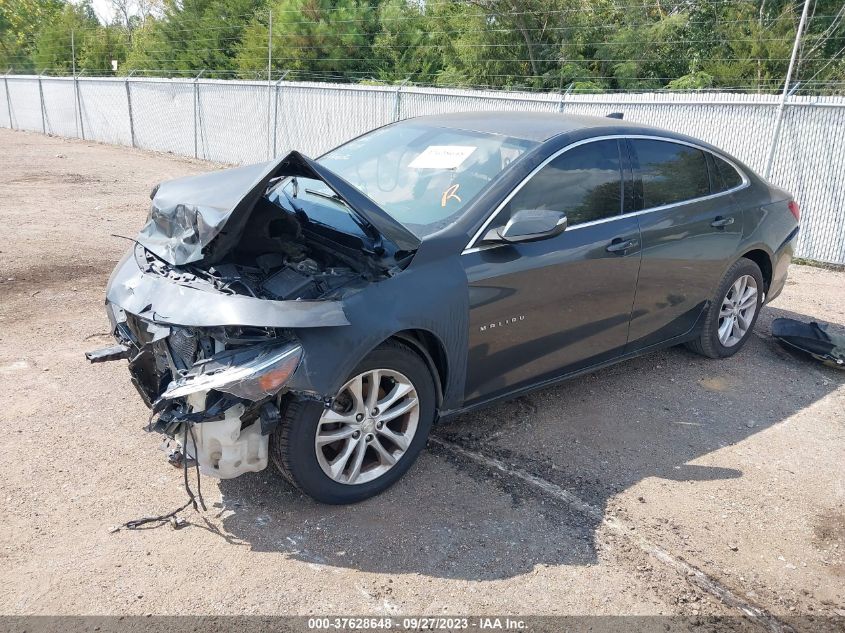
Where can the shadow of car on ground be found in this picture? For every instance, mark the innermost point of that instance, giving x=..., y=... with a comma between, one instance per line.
x=595, y=436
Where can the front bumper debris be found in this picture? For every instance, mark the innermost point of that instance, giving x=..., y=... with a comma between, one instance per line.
x=215, y=408
x=220, y=412
x=105, y=354
x=227, y=435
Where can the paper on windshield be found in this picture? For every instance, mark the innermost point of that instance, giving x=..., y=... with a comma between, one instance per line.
x=442, y=157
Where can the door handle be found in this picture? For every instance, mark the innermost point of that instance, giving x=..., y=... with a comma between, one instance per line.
x=721, y=222
x=620, y=245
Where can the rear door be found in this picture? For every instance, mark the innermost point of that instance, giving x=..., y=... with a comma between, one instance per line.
x=540, y=309
x=690, y=231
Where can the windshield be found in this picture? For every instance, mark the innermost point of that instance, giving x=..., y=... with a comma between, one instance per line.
x=421, y=175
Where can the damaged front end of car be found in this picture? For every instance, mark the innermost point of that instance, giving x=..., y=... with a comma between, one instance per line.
x=215, y=392
x=207, y=305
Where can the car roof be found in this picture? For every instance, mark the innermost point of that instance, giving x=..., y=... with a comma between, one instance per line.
x=531, y=126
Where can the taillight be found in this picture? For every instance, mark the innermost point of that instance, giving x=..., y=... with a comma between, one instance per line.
x=795, y=210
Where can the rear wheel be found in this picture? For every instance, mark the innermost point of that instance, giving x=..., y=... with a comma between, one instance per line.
x=371, y=435
x=732, y=312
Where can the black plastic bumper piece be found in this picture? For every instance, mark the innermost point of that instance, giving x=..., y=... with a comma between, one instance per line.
x=115, y=352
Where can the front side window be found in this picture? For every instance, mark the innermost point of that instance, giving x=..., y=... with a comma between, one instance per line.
x=584, y=182
x=670, y=172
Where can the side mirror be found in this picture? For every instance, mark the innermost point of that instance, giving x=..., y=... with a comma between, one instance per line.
x=529, y=225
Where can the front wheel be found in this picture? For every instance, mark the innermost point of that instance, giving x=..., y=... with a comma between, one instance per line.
x=732, y=312
x=370, y=436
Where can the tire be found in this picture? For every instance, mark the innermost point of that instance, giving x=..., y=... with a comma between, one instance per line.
x=709, y=342
x=305, y=464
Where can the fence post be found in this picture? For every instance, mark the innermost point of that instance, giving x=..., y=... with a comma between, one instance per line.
x=73, y=74
x=779, y=117
x=269, y=78
x=129, y=106
x=79, y=102
x=76, y=116
x=276, y=111
x=41, y=100
x=196, y=108
x=8, y=99
x=398, y=101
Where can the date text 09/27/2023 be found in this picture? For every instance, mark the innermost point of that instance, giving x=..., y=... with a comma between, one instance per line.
x=416, y=623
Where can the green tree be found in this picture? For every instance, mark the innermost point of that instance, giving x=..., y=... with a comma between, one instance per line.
x=20, y=22
x=821, y=61
x=530, y=44
x=410, y=43
x=53, y=46
x=191, y=36
x=101, y=46
x=753, y=42
x=645, y=55
x=326, y=37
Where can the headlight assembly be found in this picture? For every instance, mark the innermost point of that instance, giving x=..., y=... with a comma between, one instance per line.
x=251, y=373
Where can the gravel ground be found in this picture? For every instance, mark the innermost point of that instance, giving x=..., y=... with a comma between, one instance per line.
x=646, y=488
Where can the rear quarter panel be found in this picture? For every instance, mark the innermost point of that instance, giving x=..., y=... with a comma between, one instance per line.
x=769, y=225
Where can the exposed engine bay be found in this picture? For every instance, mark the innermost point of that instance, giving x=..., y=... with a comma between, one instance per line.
x=206, y=305
x=275, y=260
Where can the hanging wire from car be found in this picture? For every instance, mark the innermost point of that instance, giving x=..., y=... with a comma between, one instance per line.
x=126, y=237
x=171, y=517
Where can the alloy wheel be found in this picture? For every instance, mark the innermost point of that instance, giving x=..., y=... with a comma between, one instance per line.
x=368, y=428
x=738, y=309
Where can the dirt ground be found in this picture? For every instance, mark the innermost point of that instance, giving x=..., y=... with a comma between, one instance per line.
x=670, y=484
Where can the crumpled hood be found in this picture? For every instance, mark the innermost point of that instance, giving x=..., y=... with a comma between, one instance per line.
x=187, y=214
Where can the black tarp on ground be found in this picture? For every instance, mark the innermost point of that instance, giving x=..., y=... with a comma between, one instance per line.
x=817, y=339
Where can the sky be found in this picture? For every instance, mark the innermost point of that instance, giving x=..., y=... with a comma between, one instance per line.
x=103, y=9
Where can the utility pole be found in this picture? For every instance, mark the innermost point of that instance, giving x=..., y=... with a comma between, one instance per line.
x=269, y=82
x=73, y=74
x=779, y=118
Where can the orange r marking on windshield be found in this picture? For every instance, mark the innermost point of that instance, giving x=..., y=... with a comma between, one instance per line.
x=450, y=194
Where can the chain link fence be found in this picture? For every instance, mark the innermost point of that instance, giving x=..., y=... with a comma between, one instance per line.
x=248, y=121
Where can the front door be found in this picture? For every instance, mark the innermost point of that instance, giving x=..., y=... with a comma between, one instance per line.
x=541, y=309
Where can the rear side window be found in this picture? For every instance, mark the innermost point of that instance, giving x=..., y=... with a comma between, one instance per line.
x=584, y=182
x=671, y=172
x=729, y=176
